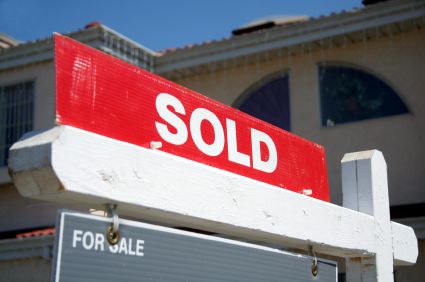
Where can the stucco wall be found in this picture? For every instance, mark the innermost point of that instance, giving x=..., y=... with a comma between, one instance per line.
x=20, y=213
x=398, y=61
x=33, y=269
x=44, y=115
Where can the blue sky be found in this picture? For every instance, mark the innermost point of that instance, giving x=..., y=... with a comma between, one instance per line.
x=157, y=24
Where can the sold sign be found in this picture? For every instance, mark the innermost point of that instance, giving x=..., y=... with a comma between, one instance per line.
x=216, y=148
x=101, y=94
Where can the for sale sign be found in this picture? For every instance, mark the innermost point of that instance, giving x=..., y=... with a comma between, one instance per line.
x=106, y=96
x=147, y=252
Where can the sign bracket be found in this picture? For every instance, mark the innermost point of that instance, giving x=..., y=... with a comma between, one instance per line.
x=113, y=234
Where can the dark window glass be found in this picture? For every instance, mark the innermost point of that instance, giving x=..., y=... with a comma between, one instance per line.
x=16, y=115
x=270, y=103
x=349, y=94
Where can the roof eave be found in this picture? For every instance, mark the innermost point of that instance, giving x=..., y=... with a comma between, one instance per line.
x=280, y=41
x=98, y=37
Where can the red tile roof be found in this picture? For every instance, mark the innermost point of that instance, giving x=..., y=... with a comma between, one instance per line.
x=37, y=233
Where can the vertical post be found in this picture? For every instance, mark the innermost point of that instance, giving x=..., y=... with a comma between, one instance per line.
x=365, y=189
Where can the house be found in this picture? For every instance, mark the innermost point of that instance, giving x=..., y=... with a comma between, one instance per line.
x=349, y=81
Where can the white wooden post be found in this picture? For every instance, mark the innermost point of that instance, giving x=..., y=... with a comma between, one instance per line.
x=365, y=189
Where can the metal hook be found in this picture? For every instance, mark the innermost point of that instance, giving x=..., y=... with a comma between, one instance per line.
x=314, y=267
x=112, y=209
x=113, y=229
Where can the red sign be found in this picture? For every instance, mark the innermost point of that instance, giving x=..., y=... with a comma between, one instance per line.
x=101, y=94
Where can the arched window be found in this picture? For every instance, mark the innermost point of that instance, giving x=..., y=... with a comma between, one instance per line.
x=269, y=102
x=348, y=94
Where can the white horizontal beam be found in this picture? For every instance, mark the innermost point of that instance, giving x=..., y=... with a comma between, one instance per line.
x=405, y=244
x=417, y=223
x=68, y=165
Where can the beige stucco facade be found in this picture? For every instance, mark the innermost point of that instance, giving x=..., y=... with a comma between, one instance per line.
x=401, y=138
